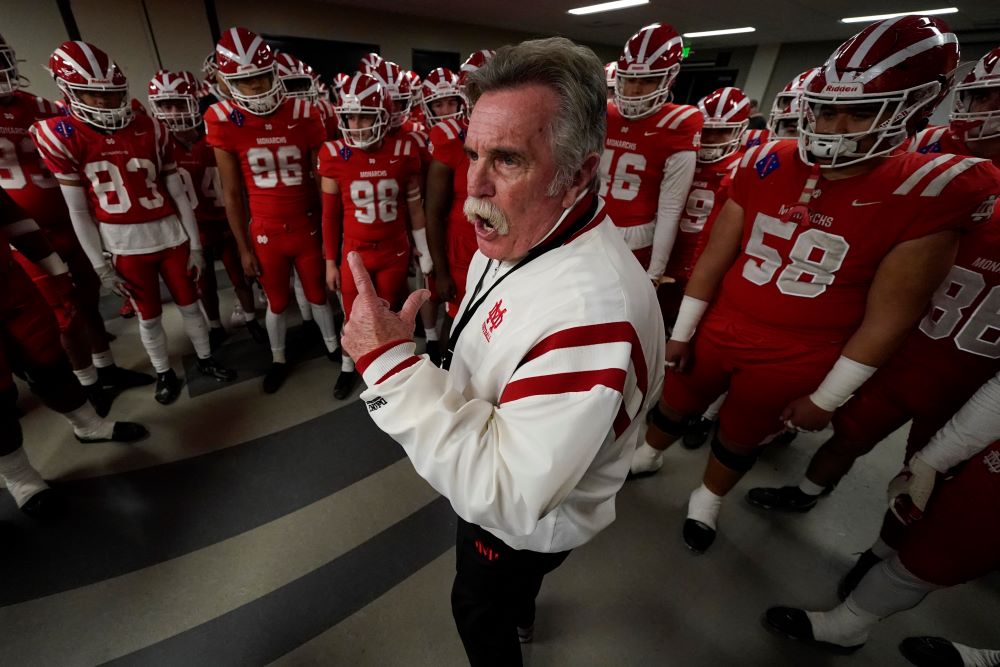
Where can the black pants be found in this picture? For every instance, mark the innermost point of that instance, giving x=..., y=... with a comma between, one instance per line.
x=494, y=594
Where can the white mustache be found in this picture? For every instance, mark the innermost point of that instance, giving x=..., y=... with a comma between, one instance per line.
x=476, y=208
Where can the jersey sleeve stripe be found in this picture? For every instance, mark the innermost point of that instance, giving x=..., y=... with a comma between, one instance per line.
x=564, y=383
x=217, y=110
x=447, y=130
x=748, y=157
x=53, y=143
x=918, y=175
x=682, y=117
x=935, y=187
x=668, y=117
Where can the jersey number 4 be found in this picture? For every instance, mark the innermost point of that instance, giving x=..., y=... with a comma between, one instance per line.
x=981, y=333
x=814, y=259
x=622, y=174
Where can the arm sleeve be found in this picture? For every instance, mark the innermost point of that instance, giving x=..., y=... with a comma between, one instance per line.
x=84, y=224
x=502, y=466
x=333, y=218
x=973, y=428
x=175, y=186
x=678, y=172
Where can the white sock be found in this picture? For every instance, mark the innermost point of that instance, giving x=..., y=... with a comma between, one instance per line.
x=88, y=424
x=300, y=298
x=704, y=506
x=977, y=657
x=346, y=364
x=23, y=481
x=431, y=334
x=87, y=376
x=810, y=488
x=154, y=339
x=713, y=410
x=276, y=327
x=846, y=624
x=196, y=329
x=103, y=359
x=882, y=550
x=324, y=320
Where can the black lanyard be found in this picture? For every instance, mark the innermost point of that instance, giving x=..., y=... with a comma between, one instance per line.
x=533, y=254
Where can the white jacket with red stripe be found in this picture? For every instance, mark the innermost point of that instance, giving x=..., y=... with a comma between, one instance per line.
x=531, y=432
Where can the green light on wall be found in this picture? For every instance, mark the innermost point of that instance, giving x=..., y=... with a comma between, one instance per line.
x=685, y=52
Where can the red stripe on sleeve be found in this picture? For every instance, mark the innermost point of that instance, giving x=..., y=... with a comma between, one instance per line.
x=406, y=363
x=564, y=383
x=622, y=421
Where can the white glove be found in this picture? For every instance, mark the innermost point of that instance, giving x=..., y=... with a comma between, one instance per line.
x=111, y=280
x=910, y=491
x=196, y=263
x=423, y=251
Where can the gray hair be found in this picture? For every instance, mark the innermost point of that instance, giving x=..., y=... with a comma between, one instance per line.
x=576, y=75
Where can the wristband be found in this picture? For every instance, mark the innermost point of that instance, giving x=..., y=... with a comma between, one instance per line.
x=843, y=380
x=688, y=316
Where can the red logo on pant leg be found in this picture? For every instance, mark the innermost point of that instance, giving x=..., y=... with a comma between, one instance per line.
x=486, y=552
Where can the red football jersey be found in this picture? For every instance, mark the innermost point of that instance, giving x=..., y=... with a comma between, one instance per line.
x=709, y=191
x=753, y=138
x=196, y=165
x=373, y=188
x=274, y=153
x=23, y=174
x=326, y=112
x=420, y=138
x=816, y=276
x=121, y=169
x=939, y=139
x=635, y=152
x=448, y=147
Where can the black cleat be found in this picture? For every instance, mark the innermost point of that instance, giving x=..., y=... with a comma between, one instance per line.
x=45, y=505
x=697, y=433
x=115, y=378
x=168, y=387
x=336, y=356
x=794, y=624
x=345, y=384
x=275, y=377
x=100, y=398
x=213, y=369
x=931, y=652
x=698, y=536
x=865, y=562
x=122, y=432
x=433, y=351
x=784, y=499
x=257, y=332
x=216, y=337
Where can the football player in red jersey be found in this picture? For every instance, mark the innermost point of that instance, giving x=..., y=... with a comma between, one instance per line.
x=114, y=167
x=29, y=342
x=611, y=74
x=783, y=121
x=265, y=147
x=974, y=127
x=173, y=100
x=810, y=294
x=650, y=151
x=451, y=238
x=24, y=176
x=371, y=202
x=417, y=108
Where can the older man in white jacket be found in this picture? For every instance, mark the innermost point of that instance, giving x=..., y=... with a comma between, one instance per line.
x=556, y=354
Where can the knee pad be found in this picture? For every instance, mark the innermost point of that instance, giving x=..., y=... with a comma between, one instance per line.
x=656, y=418
x=740, y=461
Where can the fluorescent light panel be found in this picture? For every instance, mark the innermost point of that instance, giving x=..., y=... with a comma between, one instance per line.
x=879, y=17
x=724, y=31
x=607, y=6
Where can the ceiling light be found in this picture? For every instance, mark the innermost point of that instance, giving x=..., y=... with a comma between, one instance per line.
x=879, y=17
x=713, y=33
x=607, y=6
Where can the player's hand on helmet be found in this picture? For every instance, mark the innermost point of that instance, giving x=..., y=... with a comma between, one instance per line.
x=445, y=286
x=251, y=267
x=678, y=356
x=196, y=263
x=910, y=490
x=804, y=415
x=332, y=276
x=112, y=281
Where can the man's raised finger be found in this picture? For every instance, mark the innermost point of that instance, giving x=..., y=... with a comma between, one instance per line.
x=361, y=278
x=412, y=306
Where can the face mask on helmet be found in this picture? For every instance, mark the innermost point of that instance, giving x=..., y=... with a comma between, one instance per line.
x=105, y=107
x=362, y=127
x=719, y=140
x=10, y=78
x=179, y=112
x=259, y=92
x=639, y=95
x=976, y=112
x=300, y=86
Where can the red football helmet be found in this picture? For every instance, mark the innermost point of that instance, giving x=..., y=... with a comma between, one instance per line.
x=899, y=69
x=472, y=64
x=368, y=62
x=654, y=51
x=440, y=84
x=611, y=74
x=364, y=96
x=393, y=79
x=173, y=98
x=339, y=81
x=783, y=121
x=242, y=55
x=726, y=109
x=79, y=69
x=10, y=78
x=297, y=78
x=979, y=88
